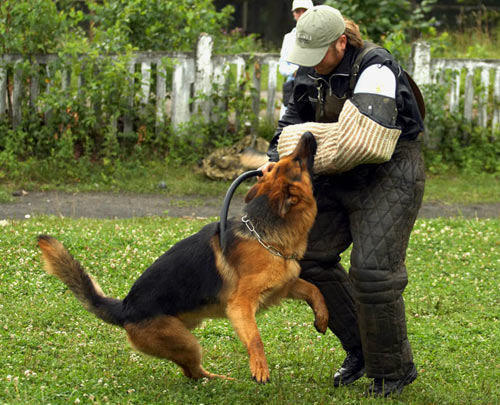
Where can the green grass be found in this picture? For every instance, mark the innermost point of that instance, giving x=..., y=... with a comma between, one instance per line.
x=138, y=177
x=462, y=188
x=134, y=177
x=55, y=352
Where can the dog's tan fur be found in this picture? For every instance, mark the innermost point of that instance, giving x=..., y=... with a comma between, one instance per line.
x=253, y=278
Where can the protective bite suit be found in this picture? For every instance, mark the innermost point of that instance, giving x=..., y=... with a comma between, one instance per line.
x=373, y=207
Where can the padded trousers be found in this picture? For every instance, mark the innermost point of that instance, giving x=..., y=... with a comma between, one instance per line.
x=372, y=207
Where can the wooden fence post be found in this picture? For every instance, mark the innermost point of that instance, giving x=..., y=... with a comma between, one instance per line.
x=3, y=90
x=34, y=84
x=256, y=80
x=127, y=120
x=495, y=122
x=145, y=82
x=204, y=71
x=182, y=82
x=469, y=94
x=483, y=98
x=161, y=95
x=271, y=90
x=421, y=55
x=16, y=95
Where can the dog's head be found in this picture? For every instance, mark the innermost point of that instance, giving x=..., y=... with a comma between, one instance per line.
x=288, y=184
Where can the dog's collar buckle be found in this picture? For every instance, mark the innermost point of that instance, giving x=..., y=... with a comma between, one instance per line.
x=269, y=248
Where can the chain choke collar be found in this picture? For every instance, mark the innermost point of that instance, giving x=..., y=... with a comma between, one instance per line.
x=270, y=248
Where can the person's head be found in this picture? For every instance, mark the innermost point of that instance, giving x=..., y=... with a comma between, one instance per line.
x=299, y=7
x=322, y=37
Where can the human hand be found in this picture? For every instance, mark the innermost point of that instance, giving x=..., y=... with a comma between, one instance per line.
x=266, y=168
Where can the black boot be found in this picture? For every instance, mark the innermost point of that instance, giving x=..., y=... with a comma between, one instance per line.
x=352, y=369
x=383, y=387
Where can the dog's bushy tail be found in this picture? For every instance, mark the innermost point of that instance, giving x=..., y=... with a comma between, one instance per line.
x=60, y=263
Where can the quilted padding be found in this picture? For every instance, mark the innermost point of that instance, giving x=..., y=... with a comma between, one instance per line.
x=374, y=207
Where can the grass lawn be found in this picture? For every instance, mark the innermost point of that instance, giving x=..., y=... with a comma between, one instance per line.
x=55, y=352
x=139, y=177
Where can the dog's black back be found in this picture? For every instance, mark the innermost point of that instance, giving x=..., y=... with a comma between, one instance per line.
x=181, y=280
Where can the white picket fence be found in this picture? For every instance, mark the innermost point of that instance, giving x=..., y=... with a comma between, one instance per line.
x=475, y=84
x=192, y=81
x=195, y=73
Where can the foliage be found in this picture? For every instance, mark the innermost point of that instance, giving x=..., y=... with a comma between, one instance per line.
x=84, y=118
x=22, y=30
x=454, y=142
x=115, y=26
x=478, y=40
x=56, y=352
x=156, y=24
x=377, y=19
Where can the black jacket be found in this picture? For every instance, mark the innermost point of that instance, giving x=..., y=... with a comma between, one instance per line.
x=302, y=105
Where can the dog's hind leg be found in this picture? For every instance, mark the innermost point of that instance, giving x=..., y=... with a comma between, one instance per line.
x=167, y=337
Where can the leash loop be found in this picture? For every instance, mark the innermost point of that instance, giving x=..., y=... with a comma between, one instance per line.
x=227, y=201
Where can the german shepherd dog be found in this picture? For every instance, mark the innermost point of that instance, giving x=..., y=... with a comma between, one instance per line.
x=196, y=279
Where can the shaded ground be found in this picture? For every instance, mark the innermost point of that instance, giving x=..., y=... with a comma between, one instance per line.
x=109, y=205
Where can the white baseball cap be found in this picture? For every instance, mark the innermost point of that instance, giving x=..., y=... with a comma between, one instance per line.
x=307, y=4
x=316, y=30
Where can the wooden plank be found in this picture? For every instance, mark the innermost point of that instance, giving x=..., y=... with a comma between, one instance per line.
x=128, y=125
x=161, y=96
x=256, y=81
x=421, y=55
x=48, y=86
x=16, y=95
x=204, y=73
x=34, y=84
x=240, y=71
x=469, y=94
x=221, y=82
x=182, y=83
x=483, y=98
x=455, y=91
x=271, y=90
x=65, y=79
x=145, y=81
x=495, y=124
x=3, y=90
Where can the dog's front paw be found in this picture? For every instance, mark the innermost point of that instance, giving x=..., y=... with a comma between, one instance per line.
x=260, y=370
x=321, y=321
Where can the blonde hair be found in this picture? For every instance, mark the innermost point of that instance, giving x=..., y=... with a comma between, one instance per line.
x=353, y=34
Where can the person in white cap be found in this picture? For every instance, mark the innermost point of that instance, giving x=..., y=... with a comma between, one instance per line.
x=343, y=81
x=286, y=68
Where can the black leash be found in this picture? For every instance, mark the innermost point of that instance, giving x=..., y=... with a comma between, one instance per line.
x=227, y=200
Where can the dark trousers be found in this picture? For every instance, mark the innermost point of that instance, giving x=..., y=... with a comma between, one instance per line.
x=372, y=207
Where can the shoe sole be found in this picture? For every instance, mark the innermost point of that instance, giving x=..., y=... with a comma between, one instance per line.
x=350, y=380
x=399, y=389
x=407, y=381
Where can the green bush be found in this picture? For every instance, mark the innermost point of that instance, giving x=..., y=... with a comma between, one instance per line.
x=455, y=143
x=377, y=19
x=85, y=118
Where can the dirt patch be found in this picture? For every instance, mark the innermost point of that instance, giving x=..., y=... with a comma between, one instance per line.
x=109, y=205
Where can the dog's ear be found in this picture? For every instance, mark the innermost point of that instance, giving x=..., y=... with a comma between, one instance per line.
x=285, y=203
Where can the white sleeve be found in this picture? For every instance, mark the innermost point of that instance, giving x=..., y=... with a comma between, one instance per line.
x=376, y=79
x=286, y=68
x=375, y=95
